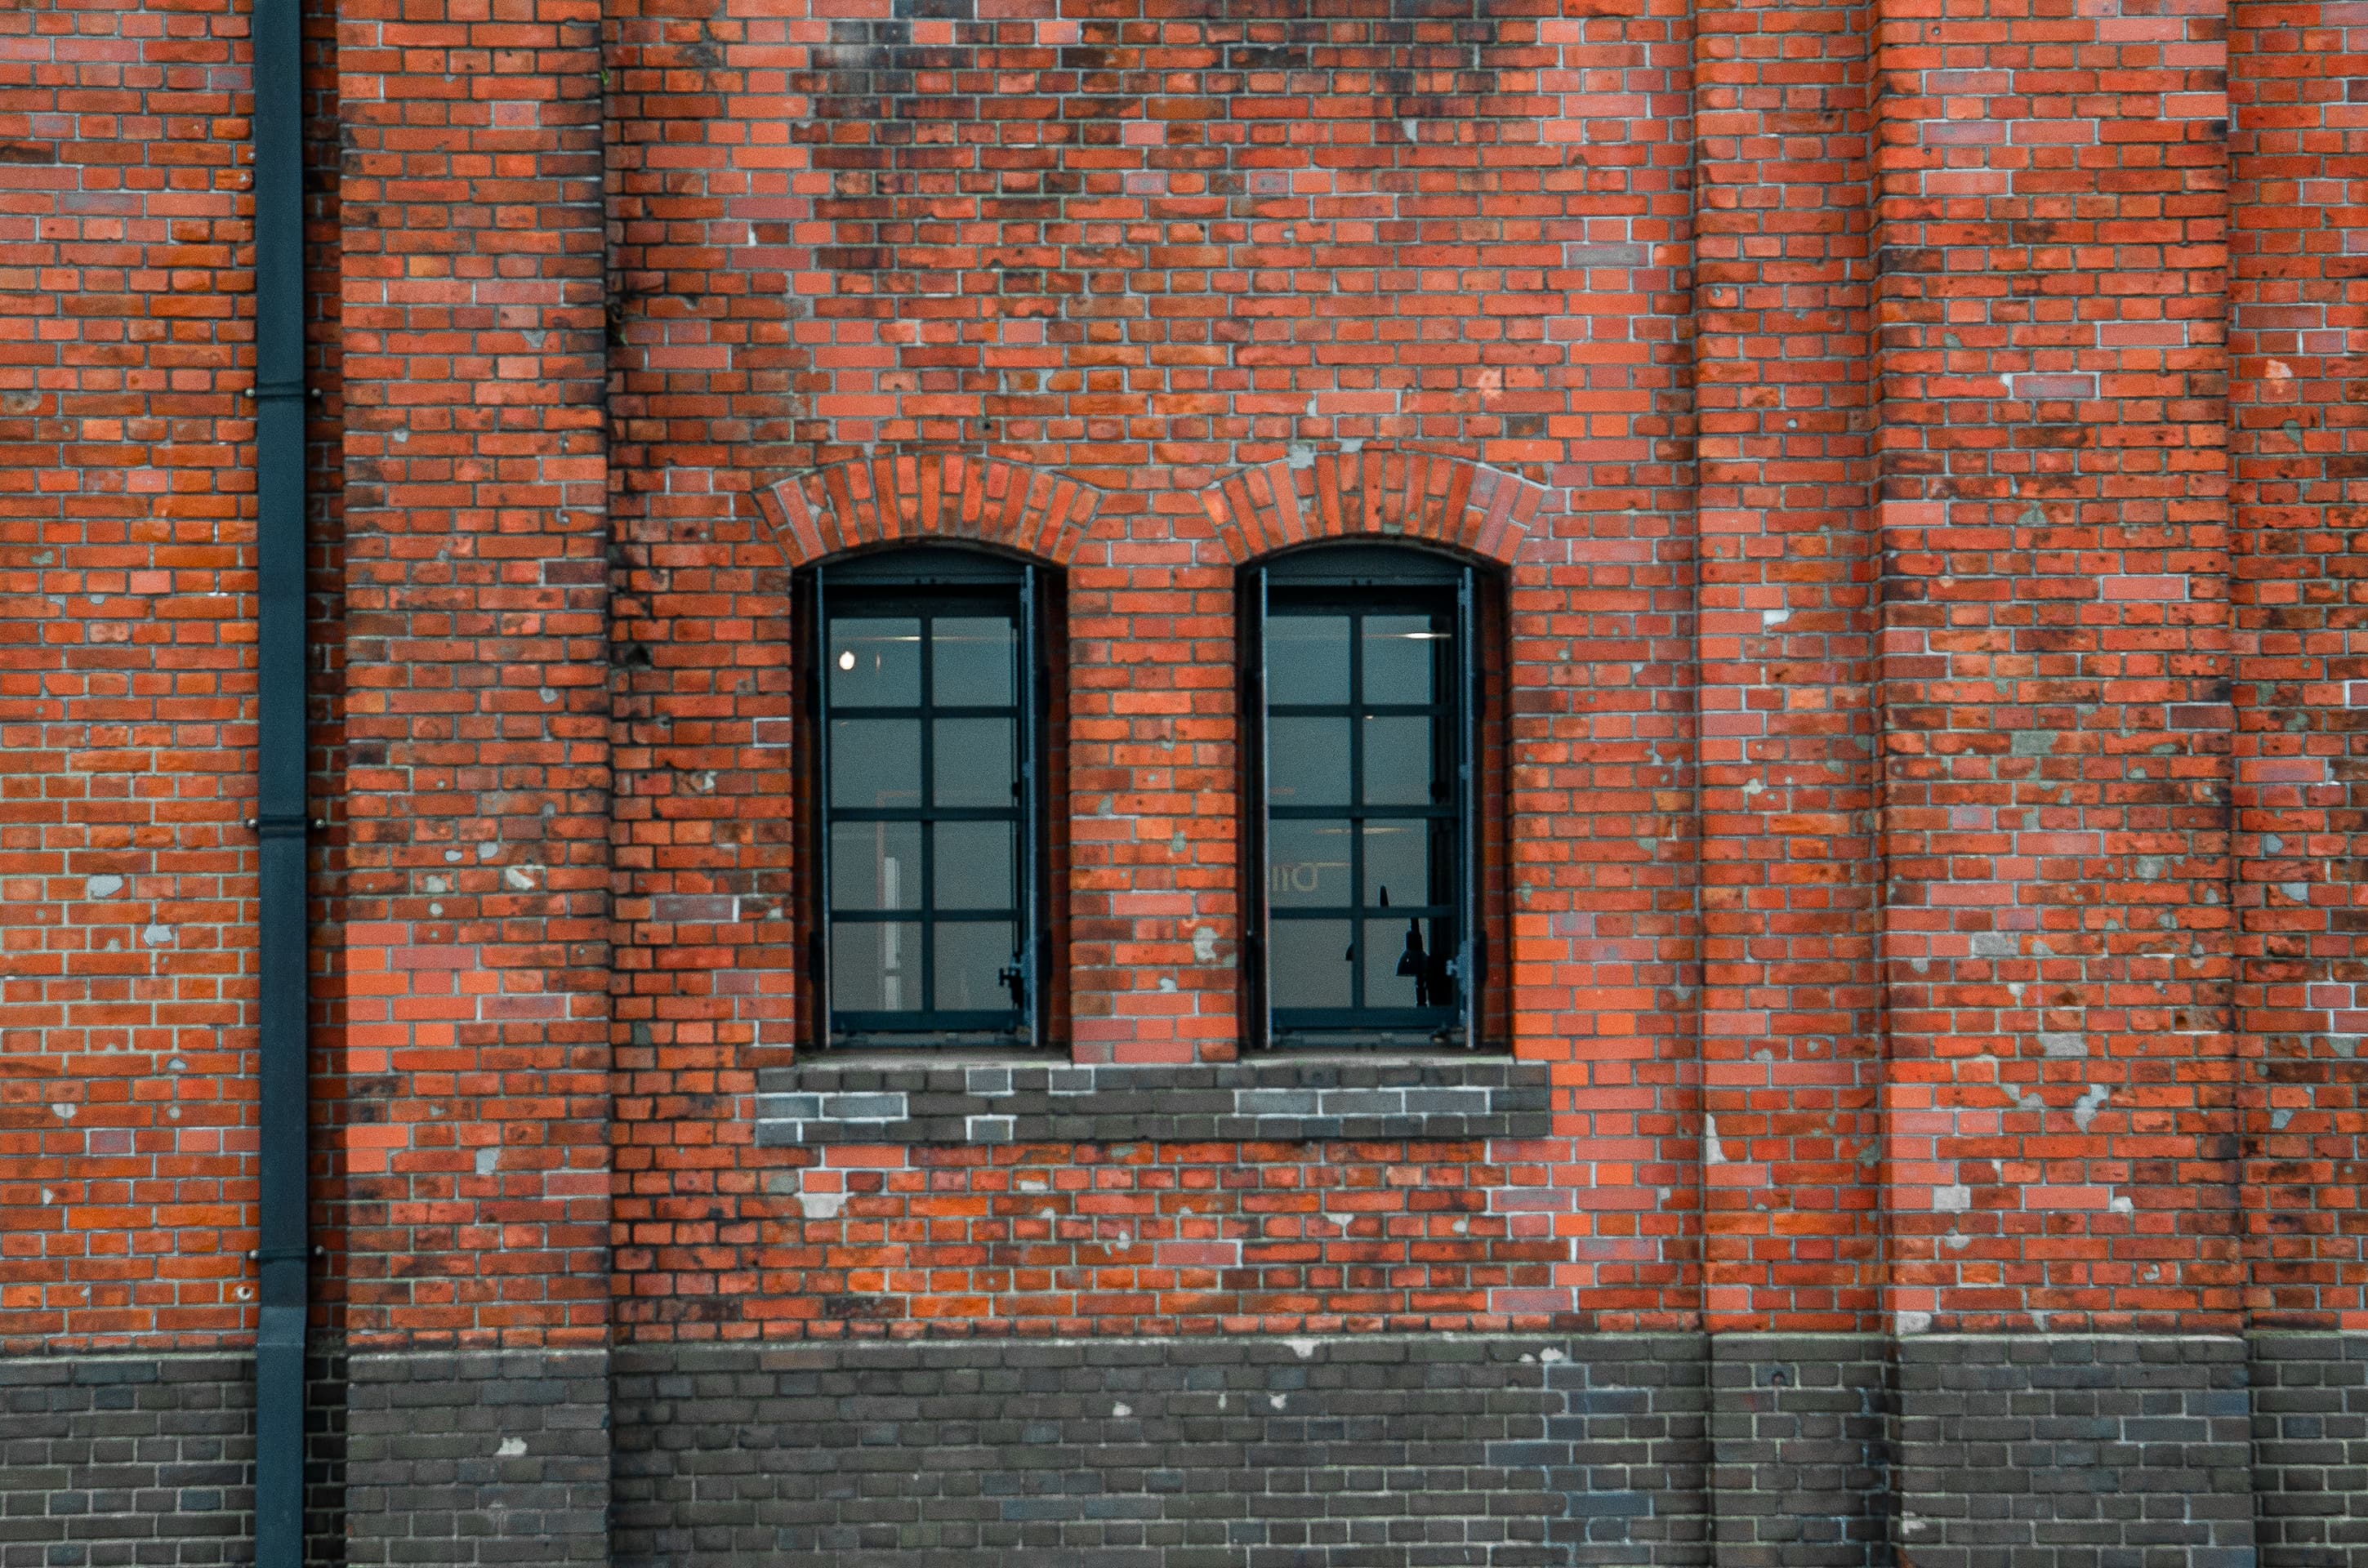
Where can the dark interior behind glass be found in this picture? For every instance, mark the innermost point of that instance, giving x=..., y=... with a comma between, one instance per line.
x=1365, y=829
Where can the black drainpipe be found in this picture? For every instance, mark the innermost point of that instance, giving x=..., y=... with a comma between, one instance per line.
x=281, y=819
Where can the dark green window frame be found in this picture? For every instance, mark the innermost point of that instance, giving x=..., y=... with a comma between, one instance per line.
x=907, y=758
x=1340, y=741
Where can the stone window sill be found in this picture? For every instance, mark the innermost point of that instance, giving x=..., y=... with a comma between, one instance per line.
x=1266, y=1099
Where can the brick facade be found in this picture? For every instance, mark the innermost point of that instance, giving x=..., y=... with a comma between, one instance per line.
x=1909, y=451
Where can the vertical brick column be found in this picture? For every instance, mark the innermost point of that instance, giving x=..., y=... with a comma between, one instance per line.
x=2060, y=1104
x=2299, y=295
x=1600, y=732
x=476, y=672
x=1789, y=1032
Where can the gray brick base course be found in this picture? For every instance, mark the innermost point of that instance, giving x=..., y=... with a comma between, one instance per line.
x=1377, y=1452
x=2310, y=1449
x=1800, y=1441
x=2064, y=1451
x=478, y=1458
x=1382, y=1451
x=150, y=1460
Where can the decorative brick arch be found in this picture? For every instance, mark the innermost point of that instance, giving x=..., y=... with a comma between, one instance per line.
x=928, y=496
x=1445, y=500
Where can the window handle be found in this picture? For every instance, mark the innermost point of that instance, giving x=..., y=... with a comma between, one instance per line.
x=1014, y=976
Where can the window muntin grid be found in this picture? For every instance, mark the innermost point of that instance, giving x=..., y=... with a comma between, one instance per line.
x=923, y=805
x=1364, y=806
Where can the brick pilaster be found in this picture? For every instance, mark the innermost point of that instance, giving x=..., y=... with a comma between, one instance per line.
x=2299, y=441
x=2055, y=535
x=1790, y=1040
x=476, y=655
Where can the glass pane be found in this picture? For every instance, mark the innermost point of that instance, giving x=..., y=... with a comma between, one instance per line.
x=973, y=764
x=875, y=764
x=875, y=968
x=969, y=955
x=1309, y=765
x=1306, y=658
x=1399, y=866
x=971, y=661
x=1405, y=964
x=875, y=866
x=1310, y=962
x=1399, y=767
x=875, y=662
x=1307, y=863
x=1400, y=658
x=974, y=865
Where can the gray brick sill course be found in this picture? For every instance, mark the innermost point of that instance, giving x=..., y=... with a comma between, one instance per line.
x=1274, y=1100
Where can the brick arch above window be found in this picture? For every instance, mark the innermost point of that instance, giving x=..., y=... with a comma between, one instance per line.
x=1443, y=500
x=928, y=496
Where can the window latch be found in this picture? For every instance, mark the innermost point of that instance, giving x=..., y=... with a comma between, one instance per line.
x=1014, y=977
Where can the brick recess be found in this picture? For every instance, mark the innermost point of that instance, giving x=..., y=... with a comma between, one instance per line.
x=1928, y=850
x=2297, y=294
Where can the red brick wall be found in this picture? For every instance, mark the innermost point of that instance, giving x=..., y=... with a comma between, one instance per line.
x=1926, y=837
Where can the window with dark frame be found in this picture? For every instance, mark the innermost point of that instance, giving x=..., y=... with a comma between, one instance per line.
x=1367, y=780
x=930, y=807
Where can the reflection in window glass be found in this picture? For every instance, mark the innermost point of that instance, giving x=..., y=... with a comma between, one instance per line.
x=875, y=662
x=1404, y=966
x=972, y=662
x=1399, y=768
x=1309, y=764
x=876, y=968
x=1308, y=862
x=973, y=762
x=1400, y=658
x=1312, y=964
x=1307, y=658
x=1400, y=865
x=875, y=865
x=875, y=764
x=970, y=956
x=974, y=865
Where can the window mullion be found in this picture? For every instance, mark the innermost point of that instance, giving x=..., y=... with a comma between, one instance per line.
x=822, y=813
x=929, y=899
x=1467, y=813
x=1265, y=817
x=1357, y=899
x=1028, y=810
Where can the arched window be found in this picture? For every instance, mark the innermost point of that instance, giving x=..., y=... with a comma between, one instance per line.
x=1365, y=775
x=932, y=802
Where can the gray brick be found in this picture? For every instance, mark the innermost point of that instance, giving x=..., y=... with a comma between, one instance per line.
x=1230, y=1451
x=479, y=1457
x=124, y=1459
